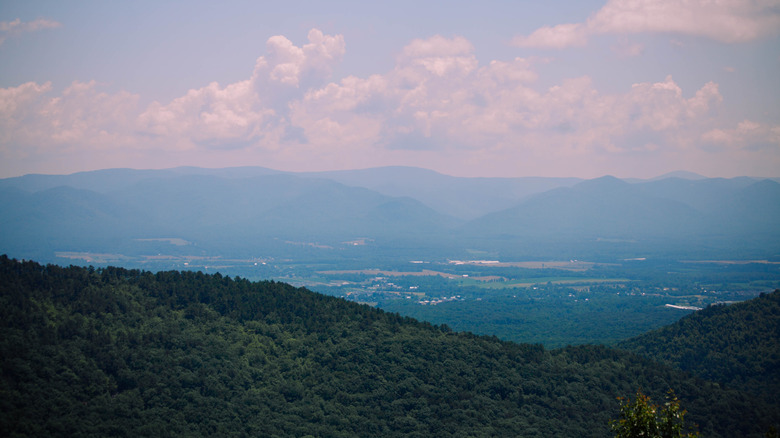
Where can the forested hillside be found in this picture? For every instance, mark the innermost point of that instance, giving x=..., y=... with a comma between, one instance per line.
x=738, y=345
x=97, y=352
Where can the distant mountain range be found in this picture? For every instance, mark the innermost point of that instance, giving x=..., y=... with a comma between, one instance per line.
x=671, y=208
x=240, y=209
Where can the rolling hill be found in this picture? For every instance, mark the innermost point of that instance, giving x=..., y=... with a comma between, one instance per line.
x=736, y=345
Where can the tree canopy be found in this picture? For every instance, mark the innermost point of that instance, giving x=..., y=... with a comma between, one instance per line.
x=642, y=419
x=736, y=345
x=97, y=352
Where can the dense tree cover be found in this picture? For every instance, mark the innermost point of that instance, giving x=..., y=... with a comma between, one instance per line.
x=110, y=351
x=605, y=304
x=552, y=315
x=737, y=344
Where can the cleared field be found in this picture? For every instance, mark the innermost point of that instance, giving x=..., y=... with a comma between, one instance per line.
x=92, y=257
x=571, y=265
x=423, y=273
x=522, y=283
x=172, y=240
x=487, y=282
x=733, y=262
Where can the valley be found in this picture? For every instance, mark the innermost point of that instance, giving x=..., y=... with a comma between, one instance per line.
x=390, y=219
x=555, y=303
x=561, y=270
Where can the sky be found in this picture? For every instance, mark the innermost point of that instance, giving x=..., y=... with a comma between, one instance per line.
x=510, y=88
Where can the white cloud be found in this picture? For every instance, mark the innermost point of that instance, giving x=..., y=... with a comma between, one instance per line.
x=210, y=115
x=437, y=55
x=82, y=117
x=18, y=27
x=746, y=135
x=728, y=21
x=464, y=107
x=660, y=106
x=437, y=46
x=251, y=112
x=437, y=107
x=14, y=100
x=288, y=64
x=555, y=37
x=18, y=107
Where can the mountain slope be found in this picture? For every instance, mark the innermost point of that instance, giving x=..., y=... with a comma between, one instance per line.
x=738, y=206
x=465, y=198
x=64, y=218
x=706, y=195
x=213, y=212
x=730, y=219
x=233, y=212
x=754, y=209
x=601, y=208
x=119, y=352
x=282, y=206
x=737, y=345
x=107, y=180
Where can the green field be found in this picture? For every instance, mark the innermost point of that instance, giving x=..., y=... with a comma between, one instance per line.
x=530, y=282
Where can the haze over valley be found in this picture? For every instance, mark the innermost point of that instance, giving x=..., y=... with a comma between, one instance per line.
x=261, y=213
x=462, y=251
x=402, y=219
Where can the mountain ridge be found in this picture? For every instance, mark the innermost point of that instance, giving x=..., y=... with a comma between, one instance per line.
x=248, y=207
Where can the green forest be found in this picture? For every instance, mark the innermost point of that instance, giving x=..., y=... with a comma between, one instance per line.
x=737, y=345
x=118, y=352
x=602, y=304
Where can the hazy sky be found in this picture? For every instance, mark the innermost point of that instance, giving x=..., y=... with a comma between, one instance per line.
x=491, y=88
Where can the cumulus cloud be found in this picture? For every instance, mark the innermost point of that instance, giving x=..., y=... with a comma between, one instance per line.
x=728, y=21
x=18, y=107
x=18, y=27
x=250, y=112
x=436, y=104
x=80, y=117
x=440, y=56
x=289, y=65
x=435, y=84
x=209, y=115
x=438, y=97
x=746, y=135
